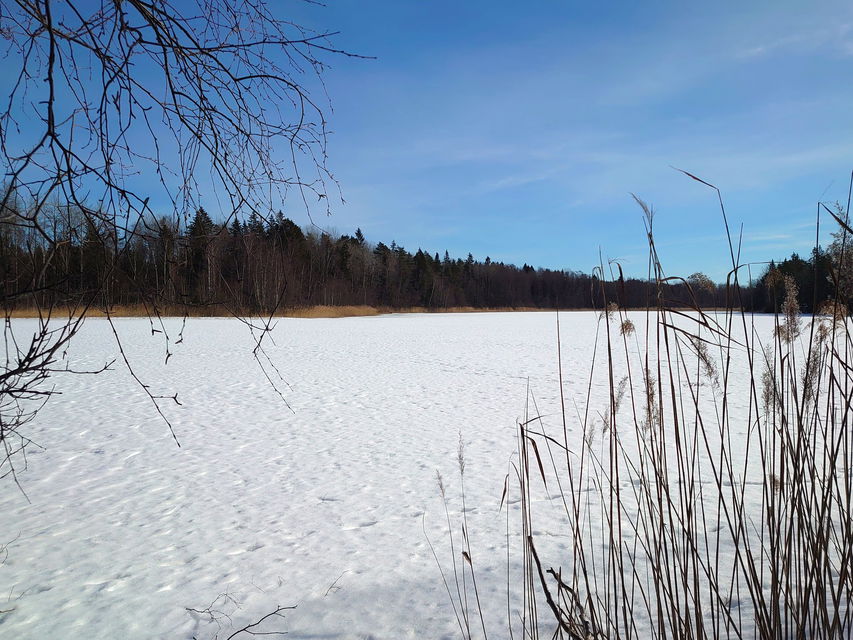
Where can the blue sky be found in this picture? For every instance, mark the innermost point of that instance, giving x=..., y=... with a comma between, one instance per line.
x=519, y=130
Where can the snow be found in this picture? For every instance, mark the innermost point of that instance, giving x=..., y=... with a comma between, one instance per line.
x=328, y=504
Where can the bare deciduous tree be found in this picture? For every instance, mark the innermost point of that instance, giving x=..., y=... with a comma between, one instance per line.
x=115, y=102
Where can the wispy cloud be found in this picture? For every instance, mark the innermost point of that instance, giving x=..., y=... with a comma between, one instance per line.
x=509, y=139
x=766, y=237
x=837, y=39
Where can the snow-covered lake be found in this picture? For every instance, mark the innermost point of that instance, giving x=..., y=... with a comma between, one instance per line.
x=326, y=505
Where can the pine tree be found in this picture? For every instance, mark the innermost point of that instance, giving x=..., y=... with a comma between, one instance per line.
x=198, y=237
x=201, y=225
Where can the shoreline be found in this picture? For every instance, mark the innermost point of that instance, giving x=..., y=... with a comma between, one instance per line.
x=317, y=311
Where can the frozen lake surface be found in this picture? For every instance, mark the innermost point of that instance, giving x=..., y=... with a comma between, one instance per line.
x=326, y=507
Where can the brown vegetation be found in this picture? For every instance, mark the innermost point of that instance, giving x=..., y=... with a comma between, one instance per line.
x=218, y=311
x=710, y=494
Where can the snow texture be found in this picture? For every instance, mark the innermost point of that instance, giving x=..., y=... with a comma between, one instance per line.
x=328, y=506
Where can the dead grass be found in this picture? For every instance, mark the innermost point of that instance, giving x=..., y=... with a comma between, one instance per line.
x=328, y=311
x=319, y=311
x=694, y=515
x=117, y=311
x=711, y=495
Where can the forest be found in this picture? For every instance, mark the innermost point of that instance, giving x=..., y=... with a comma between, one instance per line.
x=270, y=265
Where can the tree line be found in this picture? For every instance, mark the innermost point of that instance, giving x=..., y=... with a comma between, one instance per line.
x=825, y=276
x=264, y=265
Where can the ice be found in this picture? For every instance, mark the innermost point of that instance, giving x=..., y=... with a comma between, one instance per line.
x=328, y=504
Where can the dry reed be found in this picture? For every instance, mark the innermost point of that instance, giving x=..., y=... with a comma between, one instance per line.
x=717, y=503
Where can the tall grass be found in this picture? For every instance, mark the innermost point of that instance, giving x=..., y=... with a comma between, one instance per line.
x=709, y=493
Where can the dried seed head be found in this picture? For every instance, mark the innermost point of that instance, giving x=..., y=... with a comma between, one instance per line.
x=770, y=397
x=701, y=281
x=774, y=277
x=789, y=329
x=440, y=483
x=609, y=311
x=833, y=311
x=652, y=411
x=460, y=455
x=709, y=367
x=609, y=416
x=811, y=371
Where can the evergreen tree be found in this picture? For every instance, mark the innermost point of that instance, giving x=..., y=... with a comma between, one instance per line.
x=201, y=225
x=199, y=235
